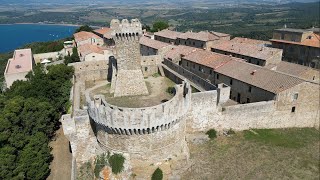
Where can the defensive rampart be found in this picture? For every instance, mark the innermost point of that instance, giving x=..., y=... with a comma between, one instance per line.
x=130, y=121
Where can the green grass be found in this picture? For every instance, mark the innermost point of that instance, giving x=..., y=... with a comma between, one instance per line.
x=258, y=154
x=289, y=138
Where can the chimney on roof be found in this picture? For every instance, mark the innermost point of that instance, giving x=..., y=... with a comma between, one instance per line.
x=253, y=72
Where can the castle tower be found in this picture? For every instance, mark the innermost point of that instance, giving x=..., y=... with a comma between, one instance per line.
x=126, y=36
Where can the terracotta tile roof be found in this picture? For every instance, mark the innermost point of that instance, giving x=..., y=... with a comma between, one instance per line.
x=89, y=48
x=209, y=59
x=313, y=42
x=22, y=61
x=203, y=36
x=292, y=69
x=257, y=76
x=168, y=34
x=250, y=50
x=177, y=51
x=102, y=30
x=83, y=35
x=152, y=43
x=250, y=41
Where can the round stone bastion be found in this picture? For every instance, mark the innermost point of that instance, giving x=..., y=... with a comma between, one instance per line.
x=149, y=134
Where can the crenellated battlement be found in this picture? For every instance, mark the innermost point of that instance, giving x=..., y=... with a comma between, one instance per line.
x=126, y=30
x=129, y=121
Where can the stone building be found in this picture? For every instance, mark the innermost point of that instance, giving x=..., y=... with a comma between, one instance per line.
x=18, y=66
x=84, y=37
x=299, y=45
x=253, y=53
x=89, y=52
x=202, y=39
x=153, y=47
x=233, y=94
x=303, y=72
x=249, y=83
x=105, y=33
x=167, y=36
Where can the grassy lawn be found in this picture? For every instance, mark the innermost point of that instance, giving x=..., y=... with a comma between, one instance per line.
x=258, y=154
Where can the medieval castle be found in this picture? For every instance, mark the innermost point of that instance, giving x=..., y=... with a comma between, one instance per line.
x=221, y=83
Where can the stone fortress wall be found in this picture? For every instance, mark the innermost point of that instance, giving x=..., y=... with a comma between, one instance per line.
x=155, y=134
x=129, y=121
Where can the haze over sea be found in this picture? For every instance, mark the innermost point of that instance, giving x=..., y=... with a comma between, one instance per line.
x=13, y=36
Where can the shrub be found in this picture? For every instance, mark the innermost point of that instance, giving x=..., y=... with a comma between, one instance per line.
x=157, y=175
x=212, y=133
x=100, y=163
x=171, y=90
x=116, y=162
x=231, y=131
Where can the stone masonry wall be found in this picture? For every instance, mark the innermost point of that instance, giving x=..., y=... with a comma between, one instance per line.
x=140, y=120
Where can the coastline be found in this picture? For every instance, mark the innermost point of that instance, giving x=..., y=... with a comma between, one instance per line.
x=54, y=24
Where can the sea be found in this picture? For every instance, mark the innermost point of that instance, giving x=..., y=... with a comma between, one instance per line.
x=13, y=36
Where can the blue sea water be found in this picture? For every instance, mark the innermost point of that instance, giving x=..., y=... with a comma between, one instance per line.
x=13, y=36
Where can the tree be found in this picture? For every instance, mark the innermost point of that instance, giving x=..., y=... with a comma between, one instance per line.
x=157, y=175
x=84, y=28
x=159, y=25
x=146, y=27
x=73, y=58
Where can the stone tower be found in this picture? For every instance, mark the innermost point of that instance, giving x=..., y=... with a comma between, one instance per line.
x=129, y=79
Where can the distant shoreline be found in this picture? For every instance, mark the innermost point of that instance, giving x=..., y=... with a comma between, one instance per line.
x=54, y=24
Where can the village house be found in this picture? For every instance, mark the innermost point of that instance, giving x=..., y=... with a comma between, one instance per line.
x=303, y=72
x=249, y=83
x=18, y=66
x=105, y=34
x=299, y=46
x=153, y=47
x=252, y=51
x=84, y=37
x=202, y=39
x=89, y=52
x=167, y=36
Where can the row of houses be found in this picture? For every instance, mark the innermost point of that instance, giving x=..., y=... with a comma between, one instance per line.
x=252, y=68
x=300, y=46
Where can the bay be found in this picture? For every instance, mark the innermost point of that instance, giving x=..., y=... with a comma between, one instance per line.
x=13, y=36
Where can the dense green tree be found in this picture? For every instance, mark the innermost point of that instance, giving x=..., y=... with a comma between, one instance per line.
x=73, y=58
x=84, y=28
x=159, y=25
x=29, y=116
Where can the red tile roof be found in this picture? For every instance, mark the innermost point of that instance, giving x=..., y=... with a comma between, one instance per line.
x=83, y=35
x=250, y=50
x=22, y=61
x=102, y=30
x=168, y=34
x=177, y=51
x=203, y=36
x=292, y=69
x=250, y=41
x=313, y=42
x=209, y=59
x=152, y=43
x=257, y=76
x=89, y=48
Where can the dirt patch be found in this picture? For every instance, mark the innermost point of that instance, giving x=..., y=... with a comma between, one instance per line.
x=240, y=157
x=61, y=164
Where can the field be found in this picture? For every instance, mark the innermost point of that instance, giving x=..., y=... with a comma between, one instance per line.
x=257, y=154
